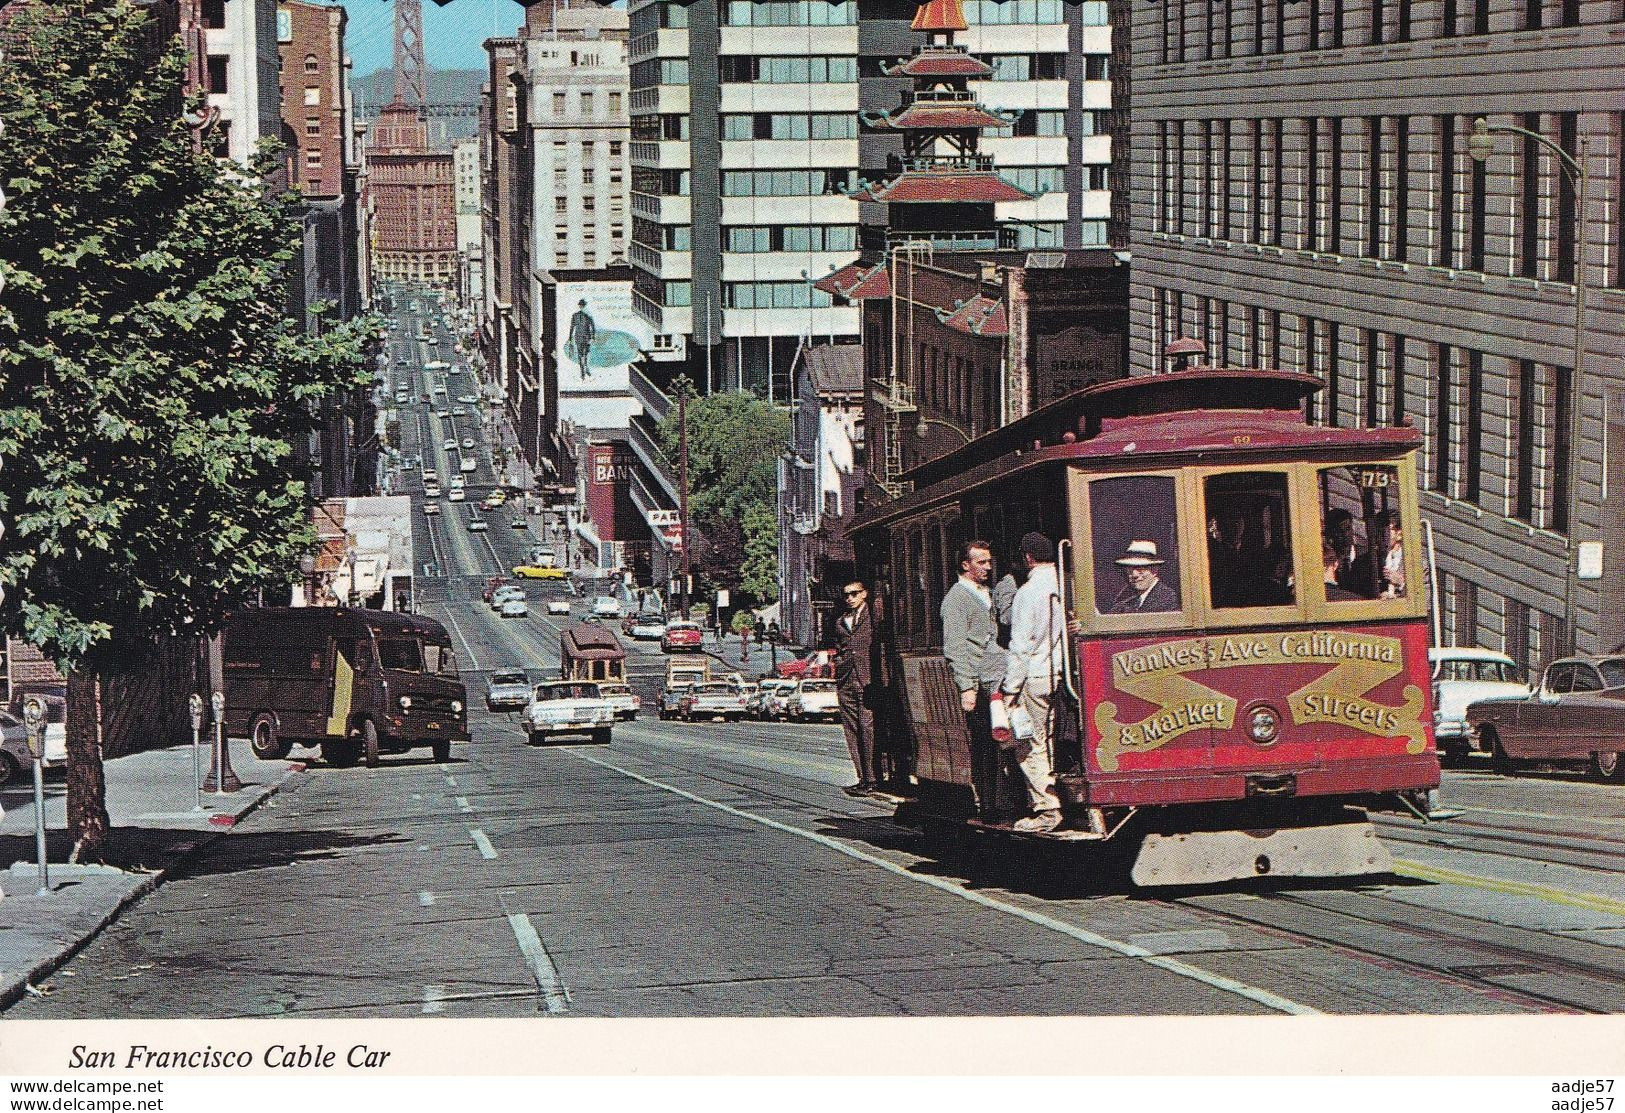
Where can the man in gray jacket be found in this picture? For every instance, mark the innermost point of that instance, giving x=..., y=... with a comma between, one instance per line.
x=970, y=642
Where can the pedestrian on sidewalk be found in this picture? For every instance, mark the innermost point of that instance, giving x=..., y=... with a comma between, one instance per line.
x=851, y=640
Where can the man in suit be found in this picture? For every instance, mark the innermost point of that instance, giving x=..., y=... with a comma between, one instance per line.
x=855, y=647
x=1353, y=563
x=970, y=642
x=1145, y=591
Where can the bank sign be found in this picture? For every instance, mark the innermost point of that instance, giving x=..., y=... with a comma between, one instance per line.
x=610, y=507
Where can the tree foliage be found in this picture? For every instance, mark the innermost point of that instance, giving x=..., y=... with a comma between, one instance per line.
x=151, y=385
x=734, y=442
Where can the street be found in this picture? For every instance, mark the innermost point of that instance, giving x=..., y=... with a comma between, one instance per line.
x=717, y=870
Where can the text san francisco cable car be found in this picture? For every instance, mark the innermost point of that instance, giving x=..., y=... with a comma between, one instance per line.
x=1245, y=721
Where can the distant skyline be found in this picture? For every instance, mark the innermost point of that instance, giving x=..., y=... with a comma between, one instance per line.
x=451, y=35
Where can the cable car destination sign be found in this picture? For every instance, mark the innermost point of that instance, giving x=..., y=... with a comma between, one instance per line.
x=1159, y=675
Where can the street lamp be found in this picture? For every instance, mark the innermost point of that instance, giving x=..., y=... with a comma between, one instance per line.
x=1480, y=146
x=922, y=430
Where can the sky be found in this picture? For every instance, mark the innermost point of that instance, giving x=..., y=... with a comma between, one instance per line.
x=451, y=34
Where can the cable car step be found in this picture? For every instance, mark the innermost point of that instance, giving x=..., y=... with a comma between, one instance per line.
x=1207, y=857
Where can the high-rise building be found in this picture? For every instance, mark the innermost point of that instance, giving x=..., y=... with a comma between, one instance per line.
x=465, y=158
x=1308, y=196
x=410, y=191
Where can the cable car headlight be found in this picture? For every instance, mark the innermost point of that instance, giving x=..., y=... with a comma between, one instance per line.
x=406, y=703
x=1263, y=724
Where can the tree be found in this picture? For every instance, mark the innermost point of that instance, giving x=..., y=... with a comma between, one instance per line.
x=734, y=442
x=151, y=386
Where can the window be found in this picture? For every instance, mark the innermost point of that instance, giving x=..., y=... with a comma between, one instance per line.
x=561, y=206
x=219, y=65
x=1249, y=556
x=587, y=175
x=1402, y=198
x=1135, y=537
x=313, y=126
x=558, y=104
x=1567, y=139
x=614, y=104
x=1362, y=533
x=214, y=14
x=1443, y=418
x=615, y=149
x=1444, y=254
x=313, y=97
x=311, y=65
x=1472, y=461
x=1562, y=449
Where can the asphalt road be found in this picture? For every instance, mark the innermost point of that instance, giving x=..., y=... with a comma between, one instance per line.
x=716, y=870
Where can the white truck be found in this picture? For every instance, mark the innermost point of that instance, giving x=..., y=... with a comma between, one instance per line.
x=568, y=707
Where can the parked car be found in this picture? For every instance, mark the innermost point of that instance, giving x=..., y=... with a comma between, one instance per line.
x=15, y=756
x=606, y=606
x=449, y=445
x=468, y=443
x=568, y=707
x=505, y=691
x=55, y=740
x=813, y=664
x=681, y=637
x=1462, y=676
x=675, y=700
x=813, y=698
x=476, y=524
x=456, y=494
x=772, y=695
x=1577, y=714
x=432, y=509
x=468, y=464
x=468, y=399
x=458, y=483
x=621, y=697
x=514, y=606
x=493, y=500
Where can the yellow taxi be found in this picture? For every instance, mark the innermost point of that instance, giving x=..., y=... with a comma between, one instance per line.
x=537, y=572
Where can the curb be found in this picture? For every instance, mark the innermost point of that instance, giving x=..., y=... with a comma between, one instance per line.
x=14, y=987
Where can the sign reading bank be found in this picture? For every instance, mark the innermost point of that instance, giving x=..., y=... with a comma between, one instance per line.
x=597, y=337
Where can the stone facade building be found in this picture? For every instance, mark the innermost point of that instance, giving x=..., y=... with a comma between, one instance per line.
x=1306, y=197
x=410, y=193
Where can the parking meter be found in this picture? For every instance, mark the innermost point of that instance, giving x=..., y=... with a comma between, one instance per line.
x=195, y=705
x=34, y=721
x=34, y=727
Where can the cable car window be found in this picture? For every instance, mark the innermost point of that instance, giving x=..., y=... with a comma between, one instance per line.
x=1249, y=558
x=933, y=573
x=1362, y=533
x=1136, y=544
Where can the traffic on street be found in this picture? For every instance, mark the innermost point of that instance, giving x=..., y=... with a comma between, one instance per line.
x=635, y=827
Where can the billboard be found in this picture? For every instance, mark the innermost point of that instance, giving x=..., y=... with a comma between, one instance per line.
x=610, y=508
x=597, y=336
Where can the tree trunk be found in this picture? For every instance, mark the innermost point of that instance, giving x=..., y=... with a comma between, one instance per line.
x=88, y=821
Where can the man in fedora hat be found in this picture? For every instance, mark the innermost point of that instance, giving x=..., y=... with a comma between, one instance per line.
x=1145, y=591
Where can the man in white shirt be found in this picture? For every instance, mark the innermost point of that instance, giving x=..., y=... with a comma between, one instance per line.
x=1038, y=631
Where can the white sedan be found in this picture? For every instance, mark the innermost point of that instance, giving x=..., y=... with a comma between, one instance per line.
x=449, y=445
x=468, y=464
x=514, y=608
x=468, y=442
x=558, y=606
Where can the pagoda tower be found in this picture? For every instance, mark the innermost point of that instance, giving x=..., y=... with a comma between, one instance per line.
x=942, y=191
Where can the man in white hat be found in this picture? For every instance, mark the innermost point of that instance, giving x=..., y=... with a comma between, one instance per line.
x=1145, y=591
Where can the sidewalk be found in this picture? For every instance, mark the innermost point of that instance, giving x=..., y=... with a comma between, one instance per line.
x=760, y=661
x=150, y=799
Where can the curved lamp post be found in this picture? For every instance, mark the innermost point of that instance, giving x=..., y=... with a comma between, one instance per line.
x=923, y=429
x=1480, y=145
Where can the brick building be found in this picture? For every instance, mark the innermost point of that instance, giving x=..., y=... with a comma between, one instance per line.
x=411, y=195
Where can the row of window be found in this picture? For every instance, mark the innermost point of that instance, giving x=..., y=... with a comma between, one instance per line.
x=667, y=237
x=793, y=237
x=790, y=13
x=1036, y=180
x=1528, y=635
x=659, y=71
x=773, y=295
x=1006, y=12
x=1377, y=186
x=1381, y=378
x=788, y=69
x=1201, y=30
x=588, y=104
x=782, y=183
x=790, y=125
x=668, y=125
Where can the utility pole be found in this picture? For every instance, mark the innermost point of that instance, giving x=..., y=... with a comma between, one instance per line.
x=682, y=483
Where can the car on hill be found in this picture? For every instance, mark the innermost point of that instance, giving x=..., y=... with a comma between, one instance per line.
x=717, y=700
x=476, y=524
x=813, y=698
x=558, y=606
x=621, y=697
x=502, y=594
x=568, y=707
x=468, y=443
x=468, y=464
x=538, y=572
x=506, y=691
x=645, y=627
x=432, y=509
x=606, y=606
x=456, y=494
x=682, y=637
x=514, y=606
